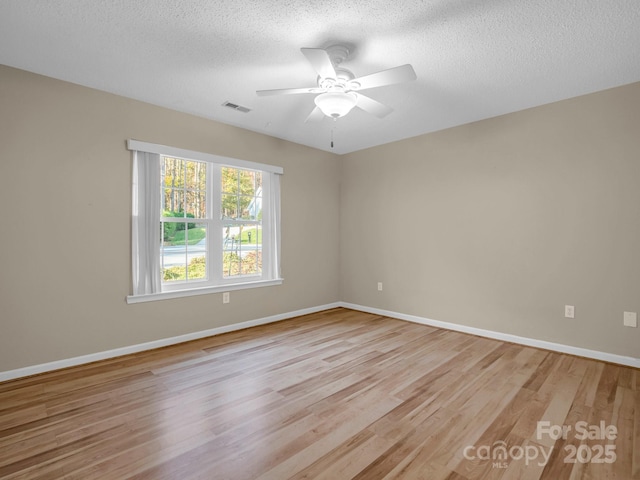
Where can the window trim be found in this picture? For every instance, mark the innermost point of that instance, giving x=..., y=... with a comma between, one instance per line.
x=150, y=297
x=186, y=289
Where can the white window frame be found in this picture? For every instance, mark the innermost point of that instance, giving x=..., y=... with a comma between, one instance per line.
x=216, y=282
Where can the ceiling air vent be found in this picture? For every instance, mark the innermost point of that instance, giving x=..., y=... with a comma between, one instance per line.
x=237, y=107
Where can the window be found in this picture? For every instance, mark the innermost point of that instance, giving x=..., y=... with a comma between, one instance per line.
x=201, y=223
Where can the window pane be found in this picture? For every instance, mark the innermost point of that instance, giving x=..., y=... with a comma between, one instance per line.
x=241, y=194
x=173, y=252
x=195, y=175
x=230, y=264
x=229, y=206
x=195, y=196
x=230, y=238
x=252, y=237
x=229, y=180
x=242, y=250
x=196, y=239
x=173, y=203
x=196, y=203
x=250, y=207
x=173, y=172
x=251, y=250
x=247, y=182
x=243, y=206
x=184, y=193
x=184, y=251
x=252, y=262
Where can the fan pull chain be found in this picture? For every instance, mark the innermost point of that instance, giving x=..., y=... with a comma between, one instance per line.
x=332, y=138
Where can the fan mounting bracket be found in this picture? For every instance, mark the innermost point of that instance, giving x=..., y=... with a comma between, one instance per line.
x=337, y=54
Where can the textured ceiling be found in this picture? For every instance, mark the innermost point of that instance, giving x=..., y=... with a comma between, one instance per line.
x=474, y=59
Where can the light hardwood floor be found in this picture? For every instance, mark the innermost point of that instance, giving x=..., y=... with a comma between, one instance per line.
x=335, y=395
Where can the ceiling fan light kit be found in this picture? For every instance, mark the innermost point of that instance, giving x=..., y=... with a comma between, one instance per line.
x=336, y=87
x=336, y=104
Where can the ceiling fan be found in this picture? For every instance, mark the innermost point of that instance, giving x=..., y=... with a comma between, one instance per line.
x=337, y=88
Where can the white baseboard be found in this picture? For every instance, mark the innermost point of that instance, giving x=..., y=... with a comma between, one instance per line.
x=117, y=352
x=530, y=342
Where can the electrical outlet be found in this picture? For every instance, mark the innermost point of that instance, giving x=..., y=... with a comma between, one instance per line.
x=379, y=286
x=630, y=319
x=569, y=311
x=225, y=297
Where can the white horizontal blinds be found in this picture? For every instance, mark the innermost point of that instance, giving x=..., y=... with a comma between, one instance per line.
x=205, y=157
x=145, y=234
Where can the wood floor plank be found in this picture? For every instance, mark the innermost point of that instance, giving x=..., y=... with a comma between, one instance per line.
x=346, y=460
x=339, y=394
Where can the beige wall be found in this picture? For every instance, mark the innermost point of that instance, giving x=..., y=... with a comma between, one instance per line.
x=66, y=201
x=494, y=225
x=500, y=223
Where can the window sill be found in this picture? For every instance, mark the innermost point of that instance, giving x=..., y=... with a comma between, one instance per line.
x=152, y=297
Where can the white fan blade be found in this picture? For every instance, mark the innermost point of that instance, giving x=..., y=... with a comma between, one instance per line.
x=315, y=116
x=320, y=61
x=285, y=91
x=372, y=106
x=404, y=73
